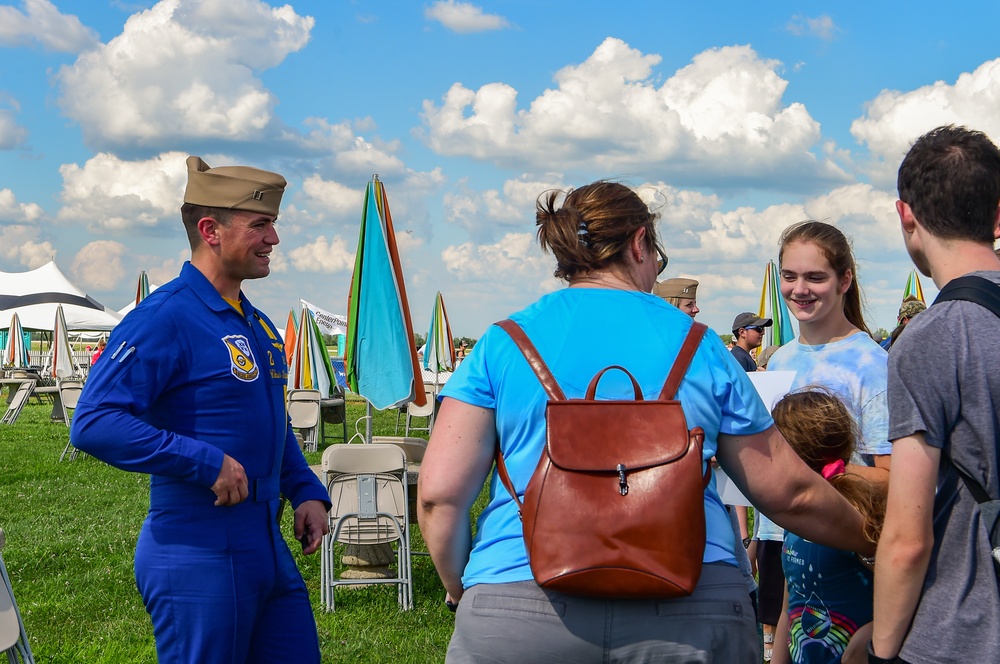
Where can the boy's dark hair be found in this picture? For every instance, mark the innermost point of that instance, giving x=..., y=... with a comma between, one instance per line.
x=950, y=178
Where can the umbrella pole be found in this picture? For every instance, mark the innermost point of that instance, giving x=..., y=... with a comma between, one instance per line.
x=368, y=422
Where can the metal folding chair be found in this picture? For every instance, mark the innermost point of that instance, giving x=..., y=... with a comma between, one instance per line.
x=304, y=412
x=427, y=410
x=13, y=637
x=69, y=396
x=18, y=401
x=368, y=488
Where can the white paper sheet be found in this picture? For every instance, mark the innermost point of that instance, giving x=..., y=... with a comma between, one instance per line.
x=771, y=386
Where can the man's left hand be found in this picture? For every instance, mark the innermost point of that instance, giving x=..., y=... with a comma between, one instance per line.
x=311, y=523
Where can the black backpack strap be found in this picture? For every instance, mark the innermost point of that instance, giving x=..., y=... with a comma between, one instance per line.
x=971, y=288
x=986, y=294
x=975, y=488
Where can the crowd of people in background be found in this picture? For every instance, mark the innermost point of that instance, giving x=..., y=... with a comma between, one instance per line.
x=868, y=543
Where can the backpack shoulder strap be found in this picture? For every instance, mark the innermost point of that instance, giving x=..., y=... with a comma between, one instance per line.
x=535, y=361
x=545, y=377
x=971, y=288
x=986, y=294
x=684, y=356
x=975, y=488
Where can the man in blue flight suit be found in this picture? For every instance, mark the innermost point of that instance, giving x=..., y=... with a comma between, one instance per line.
x=191, y=390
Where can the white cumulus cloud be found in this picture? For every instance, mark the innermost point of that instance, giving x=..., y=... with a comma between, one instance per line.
x=322, y=256
x=895, y=119
x=720, y=118
x=464, y=17
x=486, y=214
x=112, y=194
x=183, y=69
x=515, y=256
x=98, y=265
x=39, y=21
x=12, y=211
x=21, y=245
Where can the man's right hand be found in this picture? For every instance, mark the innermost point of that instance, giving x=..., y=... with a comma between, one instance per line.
x=231, y=487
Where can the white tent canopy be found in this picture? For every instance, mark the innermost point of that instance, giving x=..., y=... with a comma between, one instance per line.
x=131, y=305
x=35, y=294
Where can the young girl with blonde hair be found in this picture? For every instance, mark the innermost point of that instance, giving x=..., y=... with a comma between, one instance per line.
x=828, y=592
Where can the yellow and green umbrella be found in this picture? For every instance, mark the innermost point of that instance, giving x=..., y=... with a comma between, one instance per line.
x=310, y=368
x=772, y=306
x=439, y=354
x=913, y=287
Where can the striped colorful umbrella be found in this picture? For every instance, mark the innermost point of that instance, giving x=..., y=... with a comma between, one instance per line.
x=142, y=288
x=310, y=367
x=291, y=335
x=381, y=360
x=913, y=287
x=439, y=354
x=773, y=306
x=61, y=363
x=15, y=352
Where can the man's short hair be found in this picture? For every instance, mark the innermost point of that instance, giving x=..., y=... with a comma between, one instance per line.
x=191, y=214
x=950, y=178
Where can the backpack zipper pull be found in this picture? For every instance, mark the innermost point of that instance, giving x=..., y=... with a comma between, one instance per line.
x=622, y=482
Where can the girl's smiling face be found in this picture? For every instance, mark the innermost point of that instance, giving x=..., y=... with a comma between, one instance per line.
x=810, y=286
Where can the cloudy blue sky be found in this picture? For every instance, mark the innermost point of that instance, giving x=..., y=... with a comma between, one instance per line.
x=737, y=119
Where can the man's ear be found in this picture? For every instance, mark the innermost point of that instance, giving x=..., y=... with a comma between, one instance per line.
x=208, y=229
x=996, y=225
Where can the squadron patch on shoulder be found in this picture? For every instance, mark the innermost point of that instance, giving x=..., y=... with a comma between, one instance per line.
x=243, y=366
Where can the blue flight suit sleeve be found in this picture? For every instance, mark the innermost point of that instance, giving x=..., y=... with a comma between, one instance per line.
x=145, y=353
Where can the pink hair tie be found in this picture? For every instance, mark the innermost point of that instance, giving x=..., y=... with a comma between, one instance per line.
x=833, y=469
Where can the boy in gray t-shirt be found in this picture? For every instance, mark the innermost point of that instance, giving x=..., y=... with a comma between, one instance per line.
x=936, y=594
x=946, y=394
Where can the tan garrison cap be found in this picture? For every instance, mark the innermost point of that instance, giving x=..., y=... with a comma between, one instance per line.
x=677, y=287
x=233, y=187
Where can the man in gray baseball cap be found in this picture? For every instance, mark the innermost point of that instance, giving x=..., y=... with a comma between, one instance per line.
x=748, y=331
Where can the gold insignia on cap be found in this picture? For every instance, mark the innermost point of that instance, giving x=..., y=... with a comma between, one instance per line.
x=233, y=187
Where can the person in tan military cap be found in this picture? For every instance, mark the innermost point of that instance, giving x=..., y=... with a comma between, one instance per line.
x=192, y=392
x=680, y=292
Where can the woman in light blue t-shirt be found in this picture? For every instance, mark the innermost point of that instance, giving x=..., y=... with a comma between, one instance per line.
x=604, y=239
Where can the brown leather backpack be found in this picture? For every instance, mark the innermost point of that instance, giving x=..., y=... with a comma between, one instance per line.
x=615, y=507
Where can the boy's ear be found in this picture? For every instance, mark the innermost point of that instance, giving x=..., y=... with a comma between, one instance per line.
x=906, y=218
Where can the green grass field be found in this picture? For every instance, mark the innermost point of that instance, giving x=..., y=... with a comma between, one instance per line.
x=71, y=529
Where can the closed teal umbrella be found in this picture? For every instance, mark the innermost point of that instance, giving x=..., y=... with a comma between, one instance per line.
x=380, y=359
